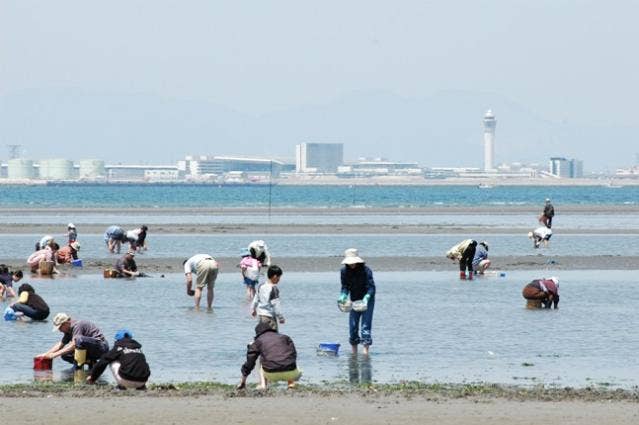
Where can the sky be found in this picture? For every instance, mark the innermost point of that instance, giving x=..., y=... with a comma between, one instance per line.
x=565, y=63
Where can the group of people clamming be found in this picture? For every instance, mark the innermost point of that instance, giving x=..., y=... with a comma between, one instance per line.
x=473, y=260
x=83, y=342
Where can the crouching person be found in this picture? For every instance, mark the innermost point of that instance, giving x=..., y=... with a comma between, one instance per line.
x=30, y=304
x=277, y=354
x=128, y=363
x=544, y=291
x=82, y=342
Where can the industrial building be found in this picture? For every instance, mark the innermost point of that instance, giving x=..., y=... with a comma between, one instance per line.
x=318, y=157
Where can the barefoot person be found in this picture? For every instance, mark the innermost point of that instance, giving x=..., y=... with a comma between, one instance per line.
x=277, y=354
x=206, y=269
x=357, y=281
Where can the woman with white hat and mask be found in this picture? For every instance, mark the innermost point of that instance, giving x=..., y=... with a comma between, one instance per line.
x=357, y=281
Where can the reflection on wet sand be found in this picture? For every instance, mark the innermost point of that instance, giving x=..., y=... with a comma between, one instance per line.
x=360, y=370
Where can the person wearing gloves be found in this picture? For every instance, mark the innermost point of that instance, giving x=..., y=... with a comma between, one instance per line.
x=546, y=290
x=206, y=269
x=358, y=283
x=464, y=252
x=480, y=260
x=260, y=252
x=127, y=361
x=30, y=304
x=277, y=354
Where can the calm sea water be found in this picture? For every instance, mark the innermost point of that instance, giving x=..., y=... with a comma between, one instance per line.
x=428, y=326
x=163, y=196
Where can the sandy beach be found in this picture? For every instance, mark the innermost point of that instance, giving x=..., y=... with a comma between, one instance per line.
x=360, y=406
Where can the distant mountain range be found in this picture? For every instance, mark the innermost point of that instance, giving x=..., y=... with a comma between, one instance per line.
x=444, y=129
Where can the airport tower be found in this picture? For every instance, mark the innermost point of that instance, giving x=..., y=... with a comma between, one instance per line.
x=489, y=140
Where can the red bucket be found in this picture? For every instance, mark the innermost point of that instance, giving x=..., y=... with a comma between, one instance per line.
x=42, y=363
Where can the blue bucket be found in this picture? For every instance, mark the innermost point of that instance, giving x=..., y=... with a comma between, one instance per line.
x=328, y=348
x=76, y=263
x=9, y=314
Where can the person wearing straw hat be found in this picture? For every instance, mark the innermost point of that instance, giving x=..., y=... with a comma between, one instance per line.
x=82, y=341
x=358, y=283
x=67, y=254
x=127, y=361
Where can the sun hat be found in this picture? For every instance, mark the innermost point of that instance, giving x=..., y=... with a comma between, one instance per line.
x=71, y=226
x=351, y=256
x=554, y=279
x=59, y=319
x=75, y=245
x=123, y=333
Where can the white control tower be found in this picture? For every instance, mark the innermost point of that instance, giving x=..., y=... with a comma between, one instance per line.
x=489, y=140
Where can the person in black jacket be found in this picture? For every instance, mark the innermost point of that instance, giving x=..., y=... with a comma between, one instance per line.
x=548, y=214
x=277, y=354
x=30, y=304
x=128, y=363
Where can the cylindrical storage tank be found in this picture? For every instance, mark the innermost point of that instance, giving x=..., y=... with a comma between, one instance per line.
x=56, y=169
x=20, y=169
x=92, y=169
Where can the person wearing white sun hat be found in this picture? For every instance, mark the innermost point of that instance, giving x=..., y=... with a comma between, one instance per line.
x=357, y=281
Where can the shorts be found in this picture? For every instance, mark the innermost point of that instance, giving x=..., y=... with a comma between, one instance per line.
x=206, y=271
x=289, y=375
x=250, y=282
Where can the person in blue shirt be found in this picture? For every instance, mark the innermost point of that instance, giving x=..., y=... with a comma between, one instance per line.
x=481, y=261
x=357, y=281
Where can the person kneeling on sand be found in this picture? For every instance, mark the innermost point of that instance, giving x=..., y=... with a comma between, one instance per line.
x=277, y=354
x=127, y=361
x=545, y=290
x=126, y=266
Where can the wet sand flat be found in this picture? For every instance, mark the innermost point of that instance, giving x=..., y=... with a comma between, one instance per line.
x=312, y=409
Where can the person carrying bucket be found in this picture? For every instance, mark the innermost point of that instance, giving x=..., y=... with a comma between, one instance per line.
x=357, y=281
x=82, y=342
x=127, y=361
x=277, y=354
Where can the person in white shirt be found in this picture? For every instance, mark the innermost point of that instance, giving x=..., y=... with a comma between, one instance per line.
x=539, y=235
x=206, y=269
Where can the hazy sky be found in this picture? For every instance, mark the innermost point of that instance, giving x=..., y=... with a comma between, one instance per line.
x=572, y=61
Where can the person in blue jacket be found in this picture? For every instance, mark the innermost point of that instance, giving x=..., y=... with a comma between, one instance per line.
x=357, y=281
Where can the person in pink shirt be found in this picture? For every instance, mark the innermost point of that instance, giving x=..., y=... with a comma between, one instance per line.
x=250, y=269
x=45, y=254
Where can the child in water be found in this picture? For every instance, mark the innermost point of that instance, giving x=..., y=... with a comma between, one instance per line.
x=250, y=269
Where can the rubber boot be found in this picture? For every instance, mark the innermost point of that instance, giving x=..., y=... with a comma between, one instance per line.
x=462, y=275
x=470, y=275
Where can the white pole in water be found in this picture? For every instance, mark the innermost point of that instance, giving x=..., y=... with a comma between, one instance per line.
x=489, y=140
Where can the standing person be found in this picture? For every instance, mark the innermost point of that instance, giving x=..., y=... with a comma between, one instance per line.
x=260, y=252
x=72, y=233
x=266, y=303
x=127, y=361
x=548, y=214
x=113, y=238
x=67, y=254
x=546, y=290
x=464, y=252
x=250, y=269
x=480, y=260
x=30, y=304
x=82, y=341
x=277, y=354
x=357, y=281
x=126, y=266
x=206, y=269
x=7, y=279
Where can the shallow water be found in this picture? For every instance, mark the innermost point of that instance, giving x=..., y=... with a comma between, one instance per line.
x=428, y=326
x=304, y=245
